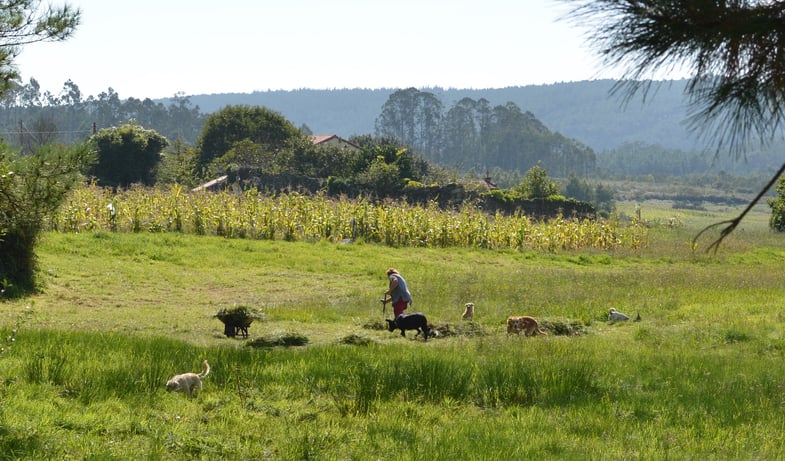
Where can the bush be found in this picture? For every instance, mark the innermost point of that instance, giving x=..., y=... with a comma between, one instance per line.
x=777, y=220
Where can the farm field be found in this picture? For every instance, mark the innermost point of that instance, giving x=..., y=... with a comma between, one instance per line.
x=700, y=376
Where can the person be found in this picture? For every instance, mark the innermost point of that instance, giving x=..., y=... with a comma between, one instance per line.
x=398, y=292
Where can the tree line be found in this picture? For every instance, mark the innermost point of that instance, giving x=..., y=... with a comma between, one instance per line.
x=30, y=117
x=473, y=135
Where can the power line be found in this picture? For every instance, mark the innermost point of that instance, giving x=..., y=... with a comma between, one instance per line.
x=42, y=132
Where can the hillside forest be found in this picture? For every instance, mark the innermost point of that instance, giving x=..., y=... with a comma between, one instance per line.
x=493, y=132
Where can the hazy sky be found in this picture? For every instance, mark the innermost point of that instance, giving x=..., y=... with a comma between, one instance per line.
x=155, y=49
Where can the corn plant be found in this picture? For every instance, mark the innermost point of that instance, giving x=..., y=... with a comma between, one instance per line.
x=298, y=217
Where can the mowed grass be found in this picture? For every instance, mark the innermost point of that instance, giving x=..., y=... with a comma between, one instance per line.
x=699, y=377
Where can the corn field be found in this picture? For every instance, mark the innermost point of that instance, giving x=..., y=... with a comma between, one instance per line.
x=298, y=217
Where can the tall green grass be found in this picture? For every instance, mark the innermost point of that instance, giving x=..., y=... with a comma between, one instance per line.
x=699, y=377
x=507, y=397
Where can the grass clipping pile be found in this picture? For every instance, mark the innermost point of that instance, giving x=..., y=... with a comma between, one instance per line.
x=556, y=327
x=279, y=338
x=560, y=327
x=237, y=319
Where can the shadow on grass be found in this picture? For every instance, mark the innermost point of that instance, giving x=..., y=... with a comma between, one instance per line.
x=17, y=445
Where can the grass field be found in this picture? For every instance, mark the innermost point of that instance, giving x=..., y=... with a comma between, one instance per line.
x=699, y=377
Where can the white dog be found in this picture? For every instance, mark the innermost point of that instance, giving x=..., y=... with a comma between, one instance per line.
x=468, y=311
x=614, y=316
x=188, y=382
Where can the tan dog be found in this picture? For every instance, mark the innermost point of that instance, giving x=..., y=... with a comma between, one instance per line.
x=468, y=311
x=524, y=323
x=188, y=382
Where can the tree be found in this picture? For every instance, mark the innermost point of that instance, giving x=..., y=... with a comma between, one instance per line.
x=732, y=48
x=398, y=117
x=233, y=124
x=603, y=198
x=127, y=154
x=536, y=184
x=184, y=119
x=32, y=187
x=246, y=154
x=381, y=178
x=578, y=189
x=461, y=134
x=516, y=139
x=177, y=165
x=412, y=117
x=23, y=22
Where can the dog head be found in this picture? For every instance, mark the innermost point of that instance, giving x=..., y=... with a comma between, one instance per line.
x=468, y=312
x=172, y=386
x=391, y=326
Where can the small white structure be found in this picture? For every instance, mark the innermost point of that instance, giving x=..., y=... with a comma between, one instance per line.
x=215, y=184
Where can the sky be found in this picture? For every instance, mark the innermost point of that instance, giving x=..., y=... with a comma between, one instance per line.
x=157, y=48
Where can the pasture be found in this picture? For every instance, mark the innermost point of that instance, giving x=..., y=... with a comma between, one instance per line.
x=699, y=377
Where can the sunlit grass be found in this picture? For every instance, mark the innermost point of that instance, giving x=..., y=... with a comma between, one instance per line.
x=698, y=377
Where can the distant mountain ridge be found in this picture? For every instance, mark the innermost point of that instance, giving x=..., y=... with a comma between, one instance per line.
x=585, y=110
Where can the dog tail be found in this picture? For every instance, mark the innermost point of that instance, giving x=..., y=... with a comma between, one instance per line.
x=205, y=370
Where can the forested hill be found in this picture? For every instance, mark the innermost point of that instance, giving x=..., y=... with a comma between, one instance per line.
x=585, y=110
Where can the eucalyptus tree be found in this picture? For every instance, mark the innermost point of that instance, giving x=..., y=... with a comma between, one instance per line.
x=185, y=119
x=29, y=95
x=466, y=133
x=105, y=109
x=461, y=135
x=398, y=117
x=732, y=49
x=429, y=122
x=516, y=139
x=414, y=118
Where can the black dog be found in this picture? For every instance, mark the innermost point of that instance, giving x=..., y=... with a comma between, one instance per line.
x=413, y=321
